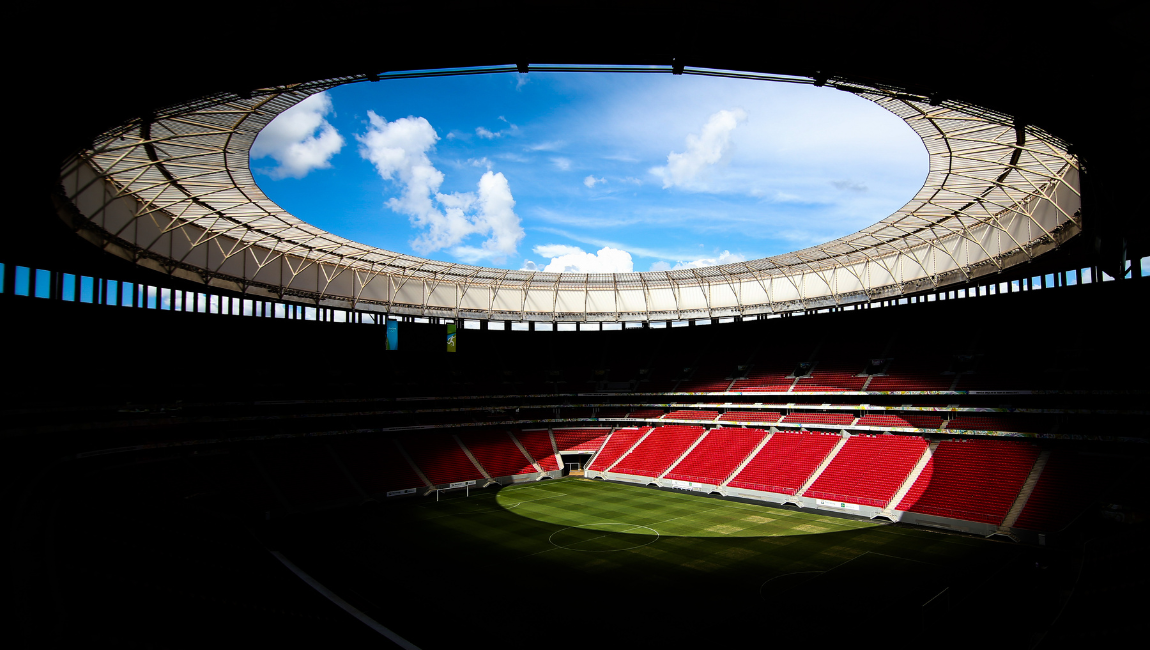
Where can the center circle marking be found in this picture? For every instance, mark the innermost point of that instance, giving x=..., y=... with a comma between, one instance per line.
x=550, y=538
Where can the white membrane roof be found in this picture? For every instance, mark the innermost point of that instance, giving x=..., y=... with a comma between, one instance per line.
x=174, y=191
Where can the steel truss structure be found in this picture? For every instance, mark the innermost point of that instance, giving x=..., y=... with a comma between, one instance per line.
x=173, y=191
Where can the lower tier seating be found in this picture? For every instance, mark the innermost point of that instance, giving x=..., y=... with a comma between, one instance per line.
x=617, y=444
x=580, y=439
x=713, y=459
x=1068, y=484
x=440, y=458
x=976, y=480
x=656, y=453
x=497, y=453
x=786, y=461
x=868, y=470
x=377, y=465
x=538, y=444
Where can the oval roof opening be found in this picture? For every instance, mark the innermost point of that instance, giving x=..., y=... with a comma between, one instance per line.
x=589, y=172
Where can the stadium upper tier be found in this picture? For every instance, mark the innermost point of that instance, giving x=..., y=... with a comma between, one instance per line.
x=173, y=191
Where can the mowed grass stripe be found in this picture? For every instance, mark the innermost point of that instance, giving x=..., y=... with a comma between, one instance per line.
x=520, y=520
x=675, y=514
x=712, y=545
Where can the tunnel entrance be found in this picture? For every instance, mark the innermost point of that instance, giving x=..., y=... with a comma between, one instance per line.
x=573, y=464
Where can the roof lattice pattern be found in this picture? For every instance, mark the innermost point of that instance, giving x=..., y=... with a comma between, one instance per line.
x=175, y=190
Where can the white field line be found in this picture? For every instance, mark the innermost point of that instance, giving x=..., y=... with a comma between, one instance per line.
x=470, y=512
x=633, y=526
x=556, y=496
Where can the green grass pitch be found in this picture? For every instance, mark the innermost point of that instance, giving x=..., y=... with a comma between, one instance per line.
x=638, y=565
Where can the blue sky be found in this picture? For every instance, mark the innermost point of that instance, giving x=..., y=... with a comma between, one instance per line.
x=588, y=172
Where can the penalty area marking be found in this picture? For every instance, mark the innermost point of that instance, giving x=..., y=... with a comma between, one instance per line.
x=471, y=512
x=556, y=496
x=606, y=533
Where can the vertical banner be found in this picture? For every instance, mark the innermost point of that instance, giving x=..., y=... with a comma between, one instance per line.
x=451, y=337
x=392, y=340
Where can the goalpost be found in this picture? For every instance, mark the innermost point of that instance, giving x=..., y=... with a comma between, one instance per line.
x=465, y=485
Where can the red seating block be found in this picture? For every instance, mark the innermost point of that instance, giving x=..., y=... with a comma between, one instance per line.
x=440, y=458
x=868, y=470
x=377, y=465
x=786, y=461
x=1069, y=483
x=713, y=459
x=691, y=415
x=916, y=421
x=580, y=439
x=538, y=444
x=656, y=453
x=828, y=377
x=976, y=480
x=819, y=418
x=646, y=413
x=497, y=453
x=619, y=442
x=750, y=416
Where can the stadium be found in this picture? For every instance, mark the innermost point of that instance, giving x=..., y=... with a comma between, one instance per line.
x=227, y=425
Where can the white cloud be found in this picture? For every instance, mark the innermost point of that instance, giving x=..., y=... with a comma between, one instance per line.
x=399, y=152
x=606, y=243
x=849, y=186
x=703, y=150
x=299, y=139
x=572, y=259
x=553, y=145
x=487, y=134
x=590, y=181
x=726, y=257
x=562, y=163
x=556, y=250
